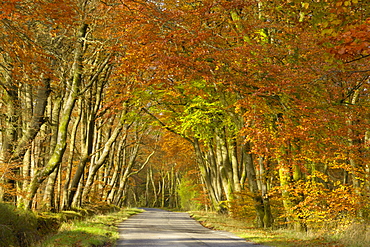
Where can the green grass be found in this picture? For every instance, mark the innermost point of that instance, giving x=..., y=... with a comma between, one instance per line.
x=17, y=227
x=99, y=230
x=354, y=236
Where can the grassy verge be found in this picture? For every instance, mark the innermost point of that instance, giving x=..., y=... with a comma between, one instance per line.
x=281, y=238
x=17, y=227
x=99, y=230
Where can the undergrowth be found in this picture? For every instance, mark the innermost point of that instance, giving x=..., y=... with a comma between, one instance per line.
x=17, y=227
x=94, y=225
x=353, y=234
x=98, y=230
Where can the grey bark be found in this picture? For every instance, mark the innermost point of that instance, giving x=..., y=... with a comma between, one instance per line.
x=59, y=150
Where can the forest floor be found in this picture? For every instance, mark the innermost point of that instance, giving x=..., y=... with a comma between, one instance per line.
x=354, y=237
x=100, y=230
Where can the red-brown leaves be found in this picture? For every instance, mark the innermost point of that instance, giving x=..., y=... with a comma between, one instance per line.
x=354, y=43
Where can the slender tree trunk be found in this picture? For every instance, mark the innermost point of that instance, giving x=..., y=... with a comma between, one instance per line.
x=95, y=167
x=147, y=193
x=8, y=143
x=235, y=167
x=215, y=173
x=37, y=119
x=48, y=203
x=155, y=194
x=59, y=150
x=49, y=192
x=215, y=197
x=87, y=134
x=68, y=188
x=267, y=218
x=128, y=169
x=253, y=185
x=119, y=162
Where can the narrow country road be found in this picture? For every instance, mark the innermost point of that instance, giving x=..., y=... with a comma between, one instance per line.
x=156, y=227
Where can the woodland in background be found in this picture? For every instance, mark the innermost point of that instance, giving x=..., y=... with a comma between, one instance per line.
x=255, y=108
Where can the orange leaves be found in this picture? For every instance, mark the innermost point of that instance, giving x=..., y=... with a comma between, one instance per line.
x=242, y=206
x=316, y=203
x=52, y=12
x=28, y=32
x=60, y=13
x=7, y=9
x=343, y=199
x=177, y=150
x=346, y=30
x=354, y=42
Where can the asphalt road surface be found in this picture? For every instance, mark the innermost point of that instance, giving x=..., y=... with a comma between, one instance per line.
x=156, y=227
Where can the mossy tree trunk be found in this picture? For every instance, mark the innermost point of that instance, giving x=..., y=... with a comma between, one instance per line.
x=68, y=107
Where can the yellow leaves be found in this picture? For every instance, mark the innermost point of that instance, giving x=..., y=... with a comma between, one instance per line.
x=318, y=204
x=318, y=174
x=345, y=3
x=305, y=5
x=263, y=37
x=329, y=32
x=336, y=22
x=325, y=24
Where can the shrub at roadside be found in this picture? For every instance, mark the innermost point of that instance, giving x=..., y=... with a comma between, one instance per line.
x=17, y=227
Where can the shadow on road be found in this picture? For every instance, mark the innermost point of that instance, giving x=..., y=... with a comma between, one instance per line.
x=156, y=227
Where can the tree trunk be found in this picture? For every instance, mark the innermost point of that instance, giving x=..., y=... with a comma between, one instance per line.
x=48, y=202
x=253, y=185
x=53, y=132
x=107, y=146
x=68, y=188
x=206, y=174
x=262, y=177
x=119, y=163
x=224, y=164
x=37, y=119
x=59, y=150
x=8, y=143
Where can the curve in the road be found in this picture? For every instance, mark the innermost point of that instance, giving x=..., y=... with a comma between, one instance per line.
x=156, y=227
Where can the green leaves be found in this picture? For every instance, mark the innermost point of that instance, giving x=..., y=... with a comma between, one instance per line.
x=202, y=118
